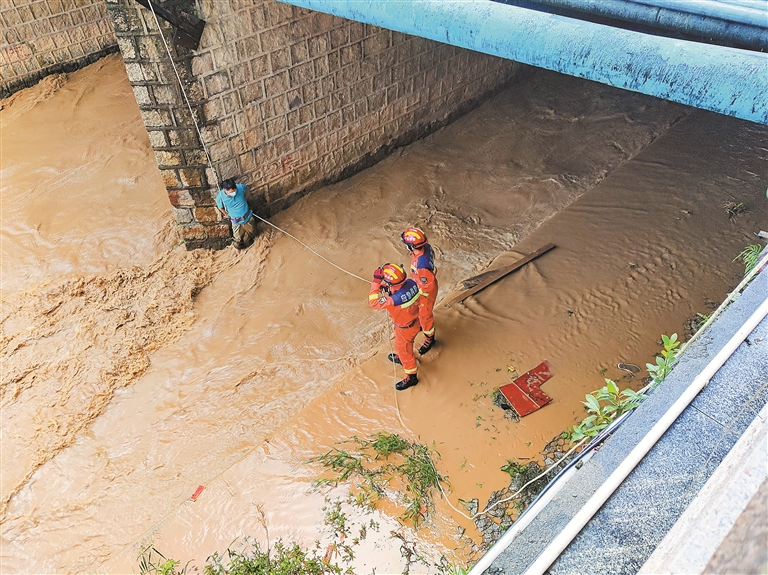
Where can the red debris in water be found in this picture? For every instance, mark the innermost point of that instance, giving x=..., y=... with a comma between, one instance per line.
x=524, y=393
x=197, y=492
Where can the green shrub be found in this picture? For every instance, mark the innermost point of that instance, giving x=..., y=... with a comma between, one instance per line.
x=750, y=256
x=603, y=406
x=282, y=559
x=664, y=361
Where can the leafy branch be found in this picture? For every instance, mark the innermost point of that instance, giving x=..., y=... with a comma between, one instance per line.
x=603, y=406
x=663, y=366
x=750, y=256
x=376, y=464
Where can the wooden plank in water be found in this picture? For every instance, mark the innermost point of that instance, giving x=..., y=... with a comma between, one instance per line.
x=494, y=275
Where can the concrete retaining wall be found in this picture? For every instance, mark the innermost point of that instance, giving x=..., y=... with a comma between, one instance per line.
x=287, y=99
x=41, y=37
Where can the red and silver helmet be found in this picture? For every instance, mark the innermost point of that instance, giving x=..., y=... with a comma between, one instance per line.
x=413, y=238
x=394, y=274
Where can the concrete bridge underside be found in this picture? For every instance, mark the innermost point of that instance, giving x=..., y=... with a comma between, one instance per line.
x=722, y=79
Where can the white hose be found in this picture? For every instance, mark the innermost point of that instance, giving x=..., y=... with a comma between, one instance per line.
x=577, y=523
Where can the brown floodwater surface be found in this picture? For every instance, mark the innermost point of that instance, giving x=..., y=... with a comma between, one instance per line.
x=78, y=181
x=272, y=356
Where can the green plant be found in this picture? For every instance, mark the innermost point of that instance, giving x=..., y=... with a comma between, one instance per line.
x=382, y=460
x=603, y=406
x=341, y=462
x=750, y=256
x=733, y=209
x=152, y=562
x=663, y=366
x=335, y=518
x=364, y=499
x=445, y=567
x=513, y=468
x=422, y=481
x=385, y=444
x=282, y=559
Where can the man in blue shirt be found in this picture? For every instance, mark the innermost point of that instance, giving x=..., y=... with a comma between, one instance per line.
x=232, y=203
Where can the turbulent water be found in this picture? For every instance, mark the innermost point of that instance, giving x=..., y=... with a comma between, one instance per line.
x=133, y=373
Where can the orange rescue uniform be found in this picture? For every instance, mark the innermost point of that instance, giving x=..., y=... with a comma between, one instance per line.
x=403, y=307
x=424, y=272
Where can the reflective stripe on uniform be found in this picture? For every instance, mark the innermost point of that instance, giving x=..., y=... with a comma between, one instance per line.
x=373, y=296
x=430, y=332
x=410, y=303
x=410, y=371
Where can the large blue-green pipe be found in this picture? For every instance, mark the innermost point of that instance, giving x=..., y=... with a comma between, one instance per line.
x=725, y=80
x=709, y=21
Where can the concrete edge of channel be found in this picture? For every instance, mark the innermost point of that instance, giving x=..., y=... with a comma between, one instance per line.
x=687, y=548
x=526, y=547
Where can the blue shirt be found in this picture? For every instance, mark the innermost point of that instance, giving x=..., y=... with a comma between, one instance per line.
x=236, y=206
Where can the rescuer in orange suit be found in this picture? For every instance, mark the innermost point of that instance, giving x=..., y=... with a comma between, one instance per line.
x=423, y=271
x=393, y=291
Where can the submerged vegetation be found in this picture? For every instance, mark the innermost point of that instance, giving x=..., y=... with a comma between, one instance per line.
x=385, y=463
x=733, y=209
x=251, y=559
x=248, y=557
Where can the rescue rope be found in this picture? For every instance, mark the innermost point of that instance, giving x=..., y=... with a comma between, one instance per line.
x=389, y=323
x=183, y=92
x=515, y=494
x=322, y=257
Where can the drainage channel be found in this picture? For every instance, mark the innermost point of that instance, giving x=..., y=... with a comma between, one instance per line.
x=558, y=544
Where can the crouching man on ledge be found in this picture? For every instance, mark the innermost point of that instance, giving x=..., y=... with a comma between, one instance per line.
x=231, y=202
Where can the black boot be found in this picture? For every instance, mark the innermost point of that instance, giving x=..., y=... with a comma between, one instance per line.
x=409, y=381
x=394, y=358
x=427, y=345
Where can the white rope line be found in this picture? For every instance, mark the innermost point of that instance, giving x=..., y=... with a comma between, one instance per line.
x=394, y=366
x=183, y=92
x=322, y=257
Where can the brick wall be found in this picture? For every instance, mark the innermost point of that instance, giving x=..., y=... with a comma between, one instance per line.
x=287, y=99
x=41, y=37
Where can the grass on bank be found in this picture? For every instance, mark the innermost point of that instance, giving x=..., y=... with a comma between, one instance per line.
x=607, y=403
x=252, y=559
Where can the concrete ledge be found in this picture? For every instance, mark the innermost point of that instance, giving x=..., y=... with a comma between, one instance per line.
x=698, y=533
x=633, y=522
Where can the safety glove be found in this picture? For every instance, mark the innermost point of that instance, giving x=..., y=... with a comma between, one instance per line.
x=378, y=275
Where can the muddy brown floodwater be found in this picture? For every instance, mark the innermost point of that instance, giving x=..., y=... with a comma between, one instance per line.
x=132, y=374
